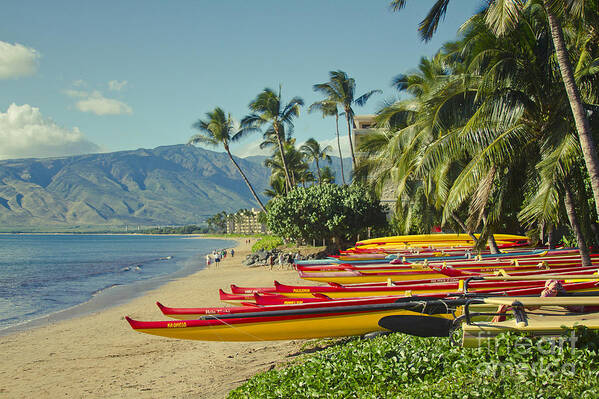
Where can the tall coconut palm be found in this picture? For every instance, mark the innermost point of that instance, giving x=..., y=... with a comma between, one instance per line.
x=294, y=160
x=327, y=175
x=502, y=16
x=340, y=89
x=519, y=132
x=305, y=177
x=220, y=129
x=277, y=187
x=269, y=109
x=313, y=152
x=329, y=108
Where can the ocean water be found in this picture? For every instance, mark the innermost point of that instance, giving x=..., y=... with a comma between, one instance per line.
x=44, y=274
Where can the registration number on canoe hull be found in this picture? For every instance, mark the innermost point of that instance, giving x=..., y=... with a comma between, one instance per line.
x=177, y=324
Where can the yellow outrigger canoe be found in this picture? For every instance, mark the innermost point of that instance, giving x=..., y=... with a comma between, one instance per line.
x=298, y=323
x=552, y=320
x=434, y=240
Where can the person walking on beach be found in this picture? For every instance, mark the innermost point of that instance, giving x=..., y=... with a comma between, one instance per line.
x=216, y=259
x=281, y=259
x=208, y=260
x=271, y=261
x=232, y=252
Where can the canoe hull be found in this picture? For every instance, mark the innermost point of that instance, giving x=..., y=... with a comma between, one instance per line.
x=340, y=325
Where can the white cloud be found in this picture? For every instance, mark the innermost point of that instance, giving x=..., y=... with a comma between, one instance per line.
x=17, y=60
x=26, y=133
x=345, y=150
x=246, y=150
x=115, y=85
x=96, y=103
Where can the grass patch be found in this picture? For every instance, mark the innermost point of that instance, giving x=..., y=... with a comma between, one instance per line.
x=403, y=366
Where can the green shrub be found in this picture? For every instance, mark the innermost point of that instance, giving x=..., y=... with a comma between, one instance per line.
x=402, y=366
x=267, y=243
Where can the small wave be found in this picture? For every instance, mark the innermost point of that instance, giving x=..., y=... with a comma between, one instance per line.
x=101, y=290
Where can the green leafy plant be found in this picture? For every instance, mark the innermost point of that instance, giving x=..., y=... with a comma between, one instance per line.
x=410, y=367
x=325, y=211
x=267, y=243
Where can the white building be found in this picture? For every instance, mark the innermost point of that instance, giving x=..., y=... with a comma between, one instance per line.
x=246, y=223
x=364, y=124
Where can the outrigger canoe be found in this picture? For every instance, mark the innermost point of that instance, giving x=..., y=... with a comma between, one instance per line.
x=557, y=260
x=289, y=324
x=547, y=321
x=428, y=240
x=355, y=276
x=309, y=321
x=533, y=287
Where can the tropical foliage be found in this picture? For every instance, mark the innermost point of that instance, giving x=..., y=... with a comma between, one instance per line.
x=486, y=141
x=270, y=110
x=340, y=91
x=403, y=366
x=312, y=151
x=326, y=211
x=220, y=129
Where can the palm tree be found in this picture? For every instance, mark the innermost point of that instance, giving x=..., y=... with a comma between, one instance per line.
x=219, y=129
x=329, y=108
x=294, y=160
x=519, y=133
x=327, y=175
x=277, y=187
x=269, y=109
x=313, y=152
x=305, y=177
x=340, y=89
x=502, y=16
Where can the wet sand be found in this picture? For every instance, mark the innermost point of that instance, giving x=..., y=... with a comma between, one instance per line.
x=100, y=356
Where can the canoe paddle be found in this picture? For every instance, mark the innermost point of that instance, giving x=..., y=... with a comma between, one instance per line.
x=420, y=326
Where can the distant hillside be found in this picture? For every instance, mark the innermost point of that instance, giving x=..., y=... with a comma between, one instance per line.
x=166, y=185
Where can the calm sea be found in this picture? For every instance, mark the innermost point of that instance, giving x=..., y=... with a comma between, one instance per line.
x=44, y=274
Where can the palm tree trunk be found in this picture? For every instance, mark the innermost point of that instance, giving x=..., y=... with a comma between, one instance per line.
x=570, y=210
x=282, y=151
x=491, y=240
x=318, y=171
x=463, y=226
x=583, y=128
x=551, y=236
x=351, y=145
x=339, y=146
x=246, y=180
x=493, y=245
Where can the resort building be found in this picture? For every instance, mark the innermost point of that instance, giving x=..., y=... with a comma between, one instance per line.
x=245, y=222
x=364, y=124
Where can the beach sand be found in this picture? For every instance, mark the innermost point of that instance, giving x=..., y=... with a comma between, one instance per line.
x=100, y=356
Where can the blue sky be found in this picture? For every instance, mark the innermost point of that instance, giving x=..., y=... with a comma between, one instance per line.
x=116, y=75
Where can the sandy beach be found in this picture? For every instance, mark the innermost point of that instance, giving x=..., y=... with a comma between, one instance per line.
x=100, y=356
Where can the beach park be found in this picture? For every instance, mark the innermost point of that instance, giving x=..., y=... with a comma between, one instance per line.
x=271, y=199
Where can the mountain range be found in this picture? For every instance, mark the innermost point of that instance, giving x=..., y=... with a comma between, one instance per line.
x=169, y=185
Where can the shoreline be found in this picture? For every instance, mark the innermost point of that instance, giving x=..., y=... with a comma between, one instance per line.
x=111, y=296
x=99, y=355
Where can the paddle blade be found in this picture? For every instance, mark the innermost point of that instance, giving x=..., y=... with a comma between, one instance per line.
x=420, y=326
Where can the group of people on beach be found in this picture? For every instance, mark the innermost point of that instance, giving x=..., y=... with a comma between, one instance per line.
x=282, y=258
x=216, y=256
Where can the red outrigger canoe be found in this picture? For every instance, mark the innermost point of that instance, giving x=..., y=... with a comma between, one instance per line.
x=534, y=288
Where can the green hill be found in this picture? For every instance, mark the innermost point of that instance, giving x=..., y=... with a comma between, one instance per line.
x=167, y=185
